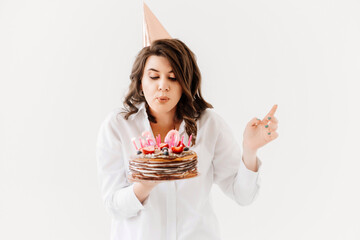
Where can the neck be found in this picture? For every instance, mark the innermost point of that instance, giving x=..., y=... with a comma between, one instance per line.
x=165, y=120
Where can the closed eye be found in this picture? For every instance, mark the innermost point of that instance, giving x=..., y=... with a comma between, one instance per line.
x=172, y=79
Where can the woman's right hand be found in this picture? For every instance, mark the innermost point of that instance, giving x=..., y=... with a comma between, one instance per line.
x=143, y=189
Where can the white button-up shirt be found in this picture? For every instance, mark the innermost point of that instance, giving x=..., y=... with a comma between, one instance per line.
x=174, y=210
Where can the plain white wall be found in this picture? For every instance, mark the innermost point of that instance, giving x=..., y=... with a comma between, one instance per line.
x=64, y=65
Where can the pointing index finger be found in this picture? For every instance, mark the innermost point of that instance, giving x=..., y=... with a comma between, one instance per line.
x=271, y=113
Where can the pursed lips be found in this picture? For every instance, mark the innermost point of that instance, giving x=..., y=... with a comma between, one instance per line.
x=163, y=98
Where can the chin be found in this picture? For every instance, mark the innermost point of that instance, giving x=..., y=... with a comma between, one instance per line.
x=161, y=108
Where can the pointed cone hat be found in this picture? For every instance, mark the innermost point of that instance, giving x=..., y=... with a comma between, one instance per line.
x=152, y=28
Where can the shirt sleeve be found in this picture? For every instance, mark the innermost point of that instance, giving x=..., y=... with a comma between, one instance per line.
x=117, y=192
x=230, y=173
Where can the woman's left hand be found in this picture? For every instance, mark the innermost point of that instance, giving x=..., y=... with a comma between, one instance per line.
x=260, y=132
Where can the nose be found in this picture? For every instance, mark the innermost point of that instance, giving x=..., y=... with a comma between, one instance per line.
x=163, y=85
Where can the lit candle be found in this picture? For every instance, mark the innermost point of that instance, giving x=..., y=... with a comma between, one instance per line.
x=141, y=143
x=189, y=140
x=159, y=139
x=182, y=139
x=133, y=140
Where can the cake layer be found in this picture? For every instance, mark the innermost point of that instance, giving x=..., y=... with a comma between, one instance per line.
x=162, y=168
x=158, y=167
x=159, y=177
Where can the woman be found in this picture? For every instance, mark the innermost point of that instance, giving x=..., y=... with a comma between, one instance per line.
x=165, y=94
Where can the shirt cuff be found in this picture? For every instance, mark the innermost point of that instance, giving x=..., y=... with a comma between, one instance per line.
x=248, y=174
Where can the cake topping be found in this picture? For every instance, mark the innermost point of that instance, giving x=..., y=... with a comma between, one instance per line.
x=172, y=144
x=148, y=149
x=164, y=146
x=177, y=149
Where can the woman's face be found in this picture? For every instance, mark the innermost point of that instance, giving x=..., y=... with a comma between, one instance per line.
x=161, y=89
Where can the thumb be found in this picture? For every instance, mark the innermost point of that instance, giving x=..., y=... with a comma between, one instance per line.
x=254, y=122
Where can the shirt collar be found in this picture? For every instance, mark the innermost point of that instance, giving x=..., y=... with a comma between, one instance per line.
x=141, y=106
x=141, y=110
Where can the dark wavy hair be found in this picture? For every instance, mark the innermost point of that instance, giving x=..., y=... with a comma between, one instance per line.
x=186, y=70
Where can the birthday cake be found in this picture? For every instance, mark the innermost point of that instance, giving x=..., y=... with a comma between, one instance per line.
x=157, y=161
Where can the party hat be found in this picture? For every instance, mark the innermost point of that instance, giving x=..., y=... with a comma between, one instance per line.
x=152, y=28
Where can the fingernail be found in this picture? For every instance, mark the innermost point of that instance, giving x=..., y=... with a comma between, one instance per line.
x=269, y=133
x=258, y=119
x=266, y=126
x=269, y=118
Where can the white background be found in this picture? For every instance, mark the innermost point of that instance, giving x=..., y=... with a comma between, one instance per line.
x=64, y=65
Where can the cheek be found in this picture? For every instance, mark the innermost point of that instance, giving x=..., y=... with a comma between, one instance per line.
x=148, y=88
x=178, y=89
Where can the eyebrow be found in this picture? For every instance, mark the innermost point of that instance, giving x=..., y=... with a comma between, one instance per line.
x=153, y=69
